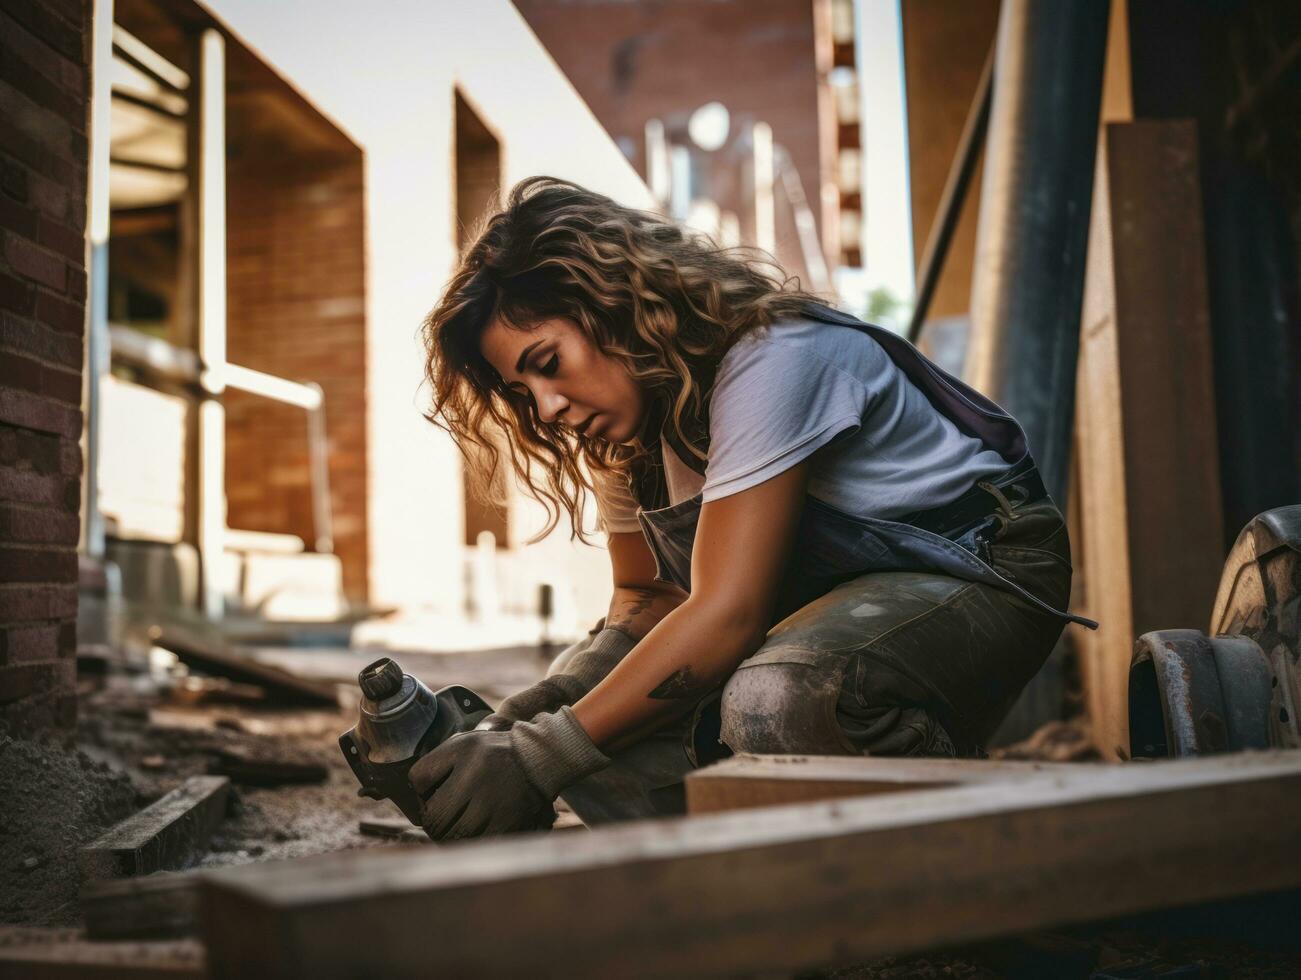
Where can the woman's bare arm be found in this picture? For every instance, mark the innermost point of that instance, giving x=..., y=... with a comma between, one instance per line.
x=638, y=602
x=741, y=549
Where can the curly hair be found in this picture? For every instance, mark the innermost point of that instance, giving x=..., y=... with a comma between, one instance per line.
x=665, y=302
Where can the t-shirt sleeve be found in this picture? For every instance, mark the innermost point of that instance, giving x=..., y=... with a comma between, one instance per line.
x=616, y=507
x=775, y=404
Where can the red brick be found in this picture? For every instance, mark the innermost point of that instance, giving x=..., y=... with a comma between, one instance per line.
x=288, y=284
x=39, y=451
x=68, y=242
x=52, y=198
x=25, y=146
x=19, y=43
x=29, y=525
x=60, y=384
x=70, y=458
x=37, y=564
x=60, y=313
x=13, y=178
x=53, y=710
x=19, y=335
x=22, y=372
x=27, y=603
x=35, y=263
x=16, y=218
x=68, y=639
x=25, y=680
x=44, y=93
x=63, y=35
x=28, y=644
x=30, y=411
x=16, y=295
x=26, y=486
x=77, y=282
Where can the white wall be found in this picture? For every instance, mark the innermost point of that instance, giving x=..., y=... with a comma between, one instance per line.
x=386, y=73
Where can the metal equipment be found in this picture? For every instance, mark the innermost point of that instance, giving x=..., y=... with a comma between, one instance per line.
x=1190, y=694
x=402, y=720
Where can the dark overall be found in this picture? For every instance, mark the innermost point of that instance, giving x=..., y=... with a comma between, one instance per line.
x=903, y=637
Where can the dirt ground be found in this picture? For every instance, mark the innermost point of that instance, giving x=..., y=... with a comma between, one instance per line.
x=135, y=742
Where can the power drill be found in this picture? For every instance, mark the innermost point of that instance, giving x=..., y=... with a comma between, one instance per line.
x=402, y=720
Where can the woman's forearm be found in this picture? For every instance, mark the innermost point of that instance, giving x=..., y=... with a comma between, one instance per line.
x=685, y=655
x=636, y=609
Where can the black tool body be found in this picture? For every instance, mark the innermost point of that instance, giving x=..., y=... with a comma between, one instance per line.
x=400, y=721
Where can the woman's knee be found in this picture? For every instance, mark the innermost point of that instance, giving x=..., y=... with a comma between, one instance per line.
x=790, y=708
x=782, y=708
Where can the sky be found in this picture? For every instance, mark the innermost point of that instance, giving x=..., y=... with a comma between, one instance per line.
x=887, y=251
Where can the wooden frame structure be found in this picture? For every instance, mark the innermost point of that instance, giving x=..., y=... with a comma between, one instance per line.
x=775, y=889
x=747, y=781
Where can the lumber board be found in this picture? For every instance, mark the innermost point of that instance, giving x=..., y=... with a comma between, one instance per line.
x=1149, y=466
x=247, y=769
x=773, y=889
x=156, y=906
x=745, y=781
x=165, y=835
x=213, y=656
x=60, y=954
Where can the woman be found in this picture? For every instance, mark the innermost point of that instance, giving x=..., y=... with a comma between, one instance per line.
x=819, y=541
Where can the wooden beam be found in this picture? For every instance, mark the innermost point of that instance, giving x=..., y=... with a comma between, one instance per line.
x=62, y=954
x=154, y=906
x=746, y=781
x=779, y=889
x=164, y=835
x=1153, y=545
x=211, y=655
x=249, y=769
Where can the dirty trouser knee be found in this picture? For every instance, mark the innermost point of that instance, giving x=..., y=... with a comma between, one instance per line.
x=904, y=663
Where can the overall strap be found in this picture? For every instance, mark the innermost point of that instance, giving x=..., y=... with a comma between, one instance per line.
x=974, y=414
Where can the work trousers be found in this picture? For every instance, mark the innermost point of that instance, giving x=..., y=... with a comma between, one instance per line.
x=894, y=663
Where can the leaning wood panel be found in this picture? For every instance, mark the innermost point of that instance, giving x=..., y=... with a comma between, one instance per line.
x=1148, y=451
x=746, y=781
x=776, y=889
x=165, y=835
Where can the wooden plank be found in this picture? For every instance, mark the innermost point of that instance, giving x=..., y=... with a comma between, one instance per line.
x=165, y=835
x=249, y=769
x=1149, y=467
x=391, y=829
x=61, y=954
x=156, y=906
x=776, y=889
x=213, y=656
x=746, y=781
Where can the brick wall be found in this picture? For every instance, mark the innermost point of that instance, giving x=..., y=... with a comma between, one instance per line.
x=636, y=61
x=44, y=100
x=296, y=294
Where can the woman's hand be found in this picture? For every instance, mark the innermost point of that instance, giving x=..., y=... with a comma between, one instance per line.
x=484, y=782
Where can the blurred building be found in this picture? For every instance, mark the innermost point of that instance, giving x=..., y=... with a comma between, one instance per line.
x=276, y=229
x=742, y=115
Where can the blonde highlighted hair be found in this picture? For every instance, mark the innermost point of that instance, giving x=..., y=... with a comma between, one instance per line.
x=665, y=302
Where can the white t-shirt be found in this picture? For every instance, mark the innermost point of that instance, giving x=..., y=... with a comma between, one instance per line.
x=800, y=387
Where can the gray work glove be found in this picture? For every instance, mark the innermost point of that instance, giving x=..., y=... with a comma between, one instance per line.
x=485, y=782
x=583, y=672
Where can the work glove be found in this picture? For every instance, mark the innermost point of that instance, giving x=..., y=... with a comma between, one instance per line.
x=486, y=782
x=584, y=671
